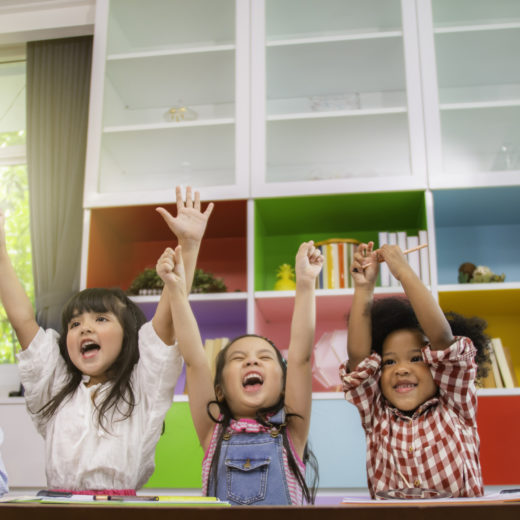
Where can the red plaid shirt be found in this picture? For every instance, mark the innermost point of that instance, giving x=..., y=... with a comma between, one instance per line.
x=438, y=446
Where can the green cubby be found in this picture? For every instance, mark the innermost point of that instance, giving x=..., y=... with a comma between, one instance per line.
x=178, y=456
x=281, y=224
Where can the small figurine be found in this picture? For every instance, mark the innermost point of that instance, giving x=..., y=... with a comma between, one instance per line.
x=286, y=278
x=483, y=274
x=470, y=273
x=466, y=272
x=180, y=112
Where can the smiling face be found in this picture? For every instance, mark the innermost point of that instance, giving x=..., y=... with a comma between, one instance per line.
x=406, y=380
x=252, y=377
x=94, y=342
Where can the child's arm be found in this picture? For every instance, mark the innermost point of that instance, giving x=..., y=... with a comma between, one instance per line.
x=198, y=374
x=298, y=388
x=17, y=305
x=359, y=338
x=430, y=316
x=188, y=226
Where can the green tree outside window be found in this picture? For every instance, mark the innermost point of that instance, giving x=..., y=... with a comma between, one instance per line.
x=14, y=199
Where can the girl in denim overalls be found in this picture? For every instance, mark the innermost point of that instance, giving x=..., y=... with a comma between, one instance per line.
x=253, y=421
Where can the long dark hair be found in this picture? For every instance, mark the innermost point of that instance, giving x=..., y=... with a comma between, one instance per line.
x=396, y=313
x=120, y=398
x=262, y=416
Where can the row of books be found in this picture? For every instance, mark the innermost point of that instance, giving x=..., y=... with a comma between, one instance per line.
x=501, y=373
x=418, y=260
x=337, y=258
x=338, y=254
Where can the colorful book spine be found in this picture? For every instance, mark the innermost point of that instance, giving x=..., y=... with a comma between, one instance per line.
x=414, y=260
x=330, y=267
x=502, y=363
x=342, y=264
x=392, y=240
x=384, y=271
x=424, y=258
x=351, y=249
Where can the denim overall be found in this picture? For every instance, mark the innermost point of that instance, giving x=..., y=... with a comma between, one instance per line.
x=250, y=468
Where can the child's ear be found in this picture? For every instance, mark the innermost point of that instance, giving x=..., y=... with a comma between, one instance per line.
x=219, y=393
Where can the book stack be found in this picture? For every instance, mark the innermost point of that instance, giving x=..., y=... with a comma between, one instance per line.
x=418, y=260
x=337, y=257
x=501, y=373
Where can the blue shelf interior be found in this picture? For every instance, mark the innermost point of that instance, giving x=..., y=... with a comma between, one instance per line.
x=478, y=225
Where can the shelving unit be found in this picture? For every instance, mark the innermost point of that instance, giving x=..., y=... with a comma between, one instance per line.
x=338, y=118
x=348, y=75
x=472, y=96
x=145, y=67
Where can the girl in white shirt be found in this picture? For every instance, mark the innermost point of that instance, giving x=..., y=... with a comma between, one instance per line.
x=98, y=393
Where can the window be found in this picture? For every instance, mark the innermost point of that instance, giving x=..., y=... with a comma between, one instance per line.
x=14, y=193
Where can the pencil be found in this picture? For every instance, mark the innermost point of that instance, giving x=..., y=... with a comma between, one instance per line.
x=405, y=252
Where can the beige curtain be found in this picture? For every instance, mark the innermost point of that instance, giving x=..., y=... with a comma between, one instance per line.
x=58, y=85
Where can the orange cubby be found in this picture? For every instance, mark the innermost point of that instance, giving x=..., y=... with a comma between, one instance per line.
x=123, y=241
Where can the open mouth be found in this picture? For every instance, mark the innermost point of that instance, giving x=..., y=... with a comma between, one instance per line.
x=89, y=349
x=403, y=388
x=252, y=382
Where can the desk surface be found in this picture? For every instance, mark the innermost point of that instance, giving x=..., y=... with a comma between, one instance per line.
x=504, y=511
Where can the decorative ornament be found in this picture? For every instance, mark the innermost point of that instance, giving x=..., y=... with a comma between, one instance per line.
x=469, y=273
x=466, y=272
x=286, y=278
x=181, y=112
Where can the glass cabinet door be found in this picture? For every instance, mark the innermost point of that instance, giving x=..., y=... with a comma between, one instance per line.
x=335, y=97
x=172, y=98
x=471, y=68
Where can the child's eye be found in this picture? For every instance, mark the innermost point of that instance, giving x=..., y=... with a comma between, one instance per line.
x=73, y=324
x=417, y=359
x=388, y=362
x=101, y=318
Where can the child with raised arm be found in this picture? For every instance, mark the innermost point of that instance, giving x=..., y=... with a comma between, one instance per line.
x=411, y=373
x=253, y=420
x=99, y=391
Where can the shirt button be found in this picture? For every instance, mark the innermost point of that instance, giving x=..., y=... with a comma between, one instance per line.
x=410, y=449
x=417, y=483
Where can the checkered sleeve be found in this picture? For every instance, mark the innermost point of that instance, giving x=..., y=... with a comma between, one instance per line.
x=361, y=387
x=454, y=370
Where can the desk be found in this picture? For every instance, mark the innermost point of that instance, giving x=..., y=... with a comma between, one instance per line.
x=507, y=511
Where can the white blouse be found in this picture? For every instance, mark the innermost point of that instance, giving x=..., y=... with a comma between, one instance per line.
x=79, y=454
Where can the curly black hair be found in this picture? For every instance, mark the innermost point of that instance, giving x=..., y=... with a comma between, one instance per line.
x=395, y=313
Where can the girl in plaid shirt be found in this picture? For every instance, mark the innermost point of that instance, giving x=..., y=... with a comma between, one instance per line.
x=411, y=374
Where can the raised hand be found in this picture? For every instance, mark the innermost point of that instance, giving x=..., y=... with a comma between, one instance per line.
x=190, y=223
x=365, y=266
x=309, y=261
x=395, y=259
x=171, y=269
